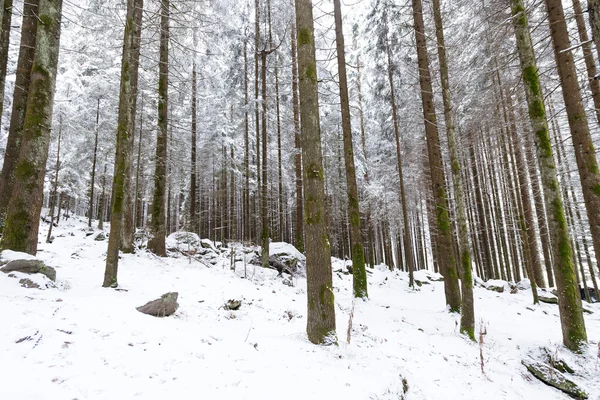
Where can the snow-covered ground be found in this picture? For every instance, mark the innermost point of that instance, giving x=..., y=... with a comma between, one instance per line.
x=80, y=341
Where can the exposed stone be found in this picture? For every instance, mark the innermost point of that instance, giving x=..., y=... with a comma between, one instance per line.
x=495, y=288
x=233, y=304
x=163, y=307
x=547, y=298
x=28, y=283
x=100, y=237
x=552, y=377
x=30, y=267
x=557, y=362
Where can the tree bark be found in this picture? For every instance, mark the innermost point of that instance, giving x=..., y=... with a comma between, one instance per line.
x=408, y=248
x=246, y=212
x=264, y=209
x=444, y=235
x=93, y=178
x=126, y=113
x=128, y=227
x=571, y=315
x=359, y=274
x=588, y=56
x=55, y=185
x=159, y=229
x=299, y=231
x=193, y=189
x=467, y=320
x=25, y=206
x=321, y=305
x=5, y=25
x=17, y=116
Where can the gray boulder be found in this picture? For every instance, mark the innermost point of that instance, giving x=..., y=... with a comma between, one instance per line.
x=163, y=307
x=100, y=237
x=547, y=298
x=30, y=267
x=552, y=377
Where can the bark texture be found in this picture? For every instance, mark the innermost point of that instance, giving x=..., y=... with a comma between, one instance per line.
x=444, y=236
x=25, y=206
x=359, y=274
x=17, y=116
x=321, y=305
x=467, y=320
x=159, y=229
x=126, y=112
x=571, y=316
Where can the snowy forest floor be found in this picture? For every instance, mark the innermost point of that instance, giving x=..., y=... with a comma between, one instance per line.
x=80, y=341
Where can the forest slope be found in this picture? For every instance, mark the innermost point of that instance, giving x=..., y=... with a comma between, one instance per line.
x=81, y=341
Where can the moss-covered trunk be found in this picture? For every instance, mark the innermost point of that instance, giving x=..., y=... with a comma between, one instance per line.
x=17, y=116
x=24, y=208
x=571, y=316
x=122, y=157
x=446, y=259
x=467, y=320
x=158, y=226
x=5, y=26
x=359, y=273
x=128, y=227
x=321, y=307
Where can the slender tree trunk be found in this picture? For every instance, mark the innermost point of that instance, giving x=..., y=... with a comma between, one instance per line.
x=17, y=117
x=126, y=113
x=585, y=154
x=246, y=208
x=93, y=179
x=526, y=222
x=594, y=10
x=25, y=206
x=128, y=227
x=256, y=110
x=359, y=274
x=159, y=229
x=55, y=186
x=5, y=25
x=408, y=249
x=139, y=208
x=299, y=232
x=264, y=210
x=539, y=204
x=102, y=202
x=569, y=304
x=467, y=321
x=321, y=305
x=588, y=56
x=193, y=214
x=444, y=234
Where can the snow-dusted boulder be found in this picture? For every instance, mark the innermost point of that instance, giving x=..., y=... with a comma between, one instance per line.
x=13, y=261
x=497, y=285
x=163, y=307
x=100, y=237
x=524, y=284
x=552, y=377
x=183, y=241
x=424, y=277
x=285, y=250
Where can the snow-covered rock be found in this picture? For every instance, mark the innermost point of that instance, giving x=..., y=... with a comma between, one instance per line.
x=497, y=285
x=183, y=241
x=29, y=267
